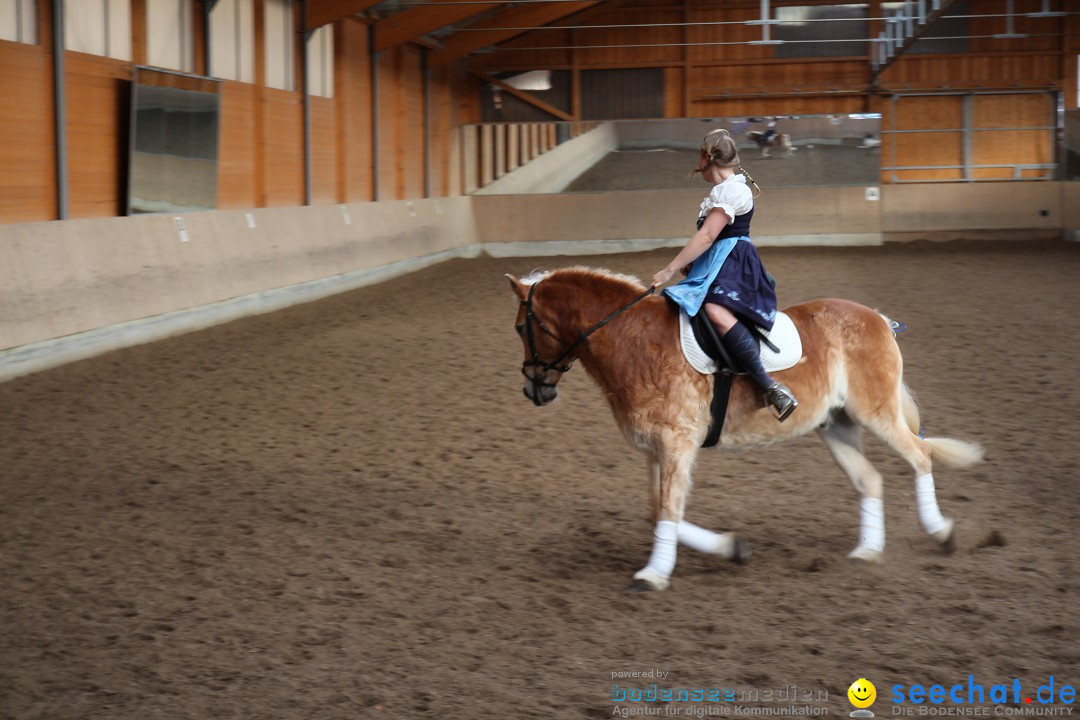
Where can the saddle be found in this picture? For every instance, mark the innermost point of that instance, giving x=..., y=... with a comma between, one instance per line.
x=780, y=348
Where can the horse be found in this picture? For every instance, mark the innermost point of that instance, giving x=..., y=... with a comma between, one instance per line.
x=849, y=378
x=780, y=140
x=869, y=141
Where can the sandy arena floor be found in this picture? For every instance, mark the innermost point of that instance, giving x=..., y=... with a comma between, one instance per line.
x=348, y=510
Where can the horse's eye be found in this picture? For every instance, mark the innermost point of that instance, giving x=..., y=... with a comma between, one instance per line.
x=520, y=329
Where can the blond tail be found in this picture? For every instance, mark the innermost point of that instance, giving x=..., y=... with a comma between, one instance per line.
x=910, y=410
x=954, y=453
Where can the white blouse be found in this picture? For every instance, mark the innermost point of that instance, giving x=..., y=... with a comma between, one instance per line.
x=733, y=196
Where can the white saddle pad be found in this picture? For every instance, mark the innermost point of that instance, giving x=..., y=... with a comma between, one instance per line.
x=783, y=335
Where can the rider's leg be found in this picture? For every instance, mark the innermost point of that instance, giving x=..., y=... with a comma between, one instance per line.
x=743, y=346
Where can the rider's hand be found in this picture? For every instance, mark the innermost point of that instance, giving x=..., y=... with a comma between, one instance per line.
x=662, y=277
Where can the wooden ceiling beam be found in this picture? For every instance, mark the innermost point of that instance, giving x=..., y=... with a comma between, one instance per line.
x=524, y=96
x=419, y=21
x=324, y=12
x=461, y=44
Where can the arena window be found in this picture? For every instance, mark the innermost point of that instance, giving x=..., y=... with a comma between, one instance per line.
x=821, y=31
x=232, y=40
x=320, y=70
x=280, y=45
x=18, y=21
x=169, y=34
x=99, y=27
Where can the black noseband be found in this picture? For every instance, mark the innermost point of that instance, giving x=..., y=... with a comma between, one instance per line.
x=535, y=361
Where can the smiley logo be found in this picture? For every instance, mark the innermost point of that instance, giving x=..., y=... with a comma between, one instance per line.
x=862, y=693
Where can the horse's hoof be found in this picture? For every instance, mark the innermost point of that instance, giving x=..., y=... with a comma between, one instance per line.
x=647, y=580
x=946, y=536
x=741, y=554
x=865, y=555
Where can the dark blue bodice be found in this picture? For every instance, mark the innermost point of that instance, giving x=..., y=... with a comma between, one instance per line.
x=739, y=228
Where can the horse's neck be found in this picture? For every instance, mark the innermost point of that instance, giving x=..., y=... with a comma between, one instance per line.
x=614, y=355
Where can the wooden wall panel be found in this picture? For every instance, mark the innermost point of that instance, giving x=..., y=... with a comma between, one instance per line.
x=674, y=95
x=387, y=102
x=401, y=124
x=98, y=110
x=927, y=113
x=942, y=114
x=445, y=135
x=236, y=146
x=283, y=147
x=324, y=145
x=352, y=80
x=712, y=82
x=809, y=105
x=1022, y=24
x=516, y=53
x=27, y=163
x=470, y=91
x=1018, y=147
x=411, y=140
x=992, y=137
x=1010, y=111
x=926, y=149
x=261, y=159
x=709, y=53
x=725, y=75
x=1027, y=70
x=1009, y=146
x=641, y=37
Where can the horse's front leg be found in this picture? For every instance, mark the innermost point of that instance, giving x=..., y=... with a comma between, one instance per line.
x=669, y=484
x=726, y=545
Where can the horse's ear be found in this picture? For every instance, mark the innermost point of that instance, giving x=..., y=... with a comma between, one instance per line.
x=516, y=286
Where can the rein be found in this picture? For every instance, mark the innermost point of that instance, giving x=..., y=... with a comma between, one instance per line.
x=530, y=318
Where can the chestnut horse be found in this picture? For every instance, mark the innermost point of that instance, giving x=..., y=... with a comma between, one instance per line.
x=780, y=140
x=848, y=379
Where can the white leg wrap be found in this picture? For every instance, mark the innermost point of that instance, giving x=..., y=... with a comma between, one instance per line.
x=706, y=541
x=872, y=524
x=926, y=500
x=665, y=546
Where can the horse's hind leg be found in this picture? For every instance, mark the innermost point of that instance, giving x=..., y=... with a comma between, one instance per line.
x=844, y=439
x=895, y=432
x=896, y=423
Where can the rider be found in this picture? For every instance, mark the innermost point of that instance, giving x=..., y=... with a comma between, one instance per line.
x=726, y=275
x=770, y=133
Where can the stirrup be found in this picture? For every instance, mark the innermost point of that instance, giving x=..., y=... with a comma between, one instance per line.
x=781, y=400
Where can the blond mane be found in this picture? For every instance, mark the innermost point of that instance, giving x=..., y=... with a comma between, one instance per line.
x=630, y=281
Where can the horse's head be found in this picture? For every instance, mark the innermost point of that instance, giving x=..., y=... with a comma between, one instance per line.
x=546, y=356
x=557, y=314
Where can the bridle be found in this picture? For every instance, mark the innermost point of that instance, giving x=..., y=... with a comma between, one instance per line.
x=556, y=364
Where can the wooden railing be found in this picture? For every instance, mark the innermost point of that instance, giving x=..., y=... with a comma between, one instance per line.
x=491, y=150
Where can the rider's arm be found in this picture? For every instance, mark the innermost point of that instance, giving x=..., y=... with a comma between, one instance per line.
x=714, y=223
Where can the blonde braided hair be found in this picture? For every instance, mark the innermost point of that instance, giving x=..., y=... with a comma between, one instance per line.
x=719, y=148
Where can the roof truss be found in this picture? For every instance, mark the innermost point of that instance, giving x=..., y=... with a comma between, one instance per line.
x=498, y=28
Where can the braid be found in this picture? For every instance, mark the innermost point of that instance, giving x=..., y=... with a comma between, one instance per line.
x=751, y=179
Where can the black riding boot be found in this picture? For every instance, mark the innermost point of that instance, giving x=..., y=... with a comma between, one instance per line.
x=743, y=347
